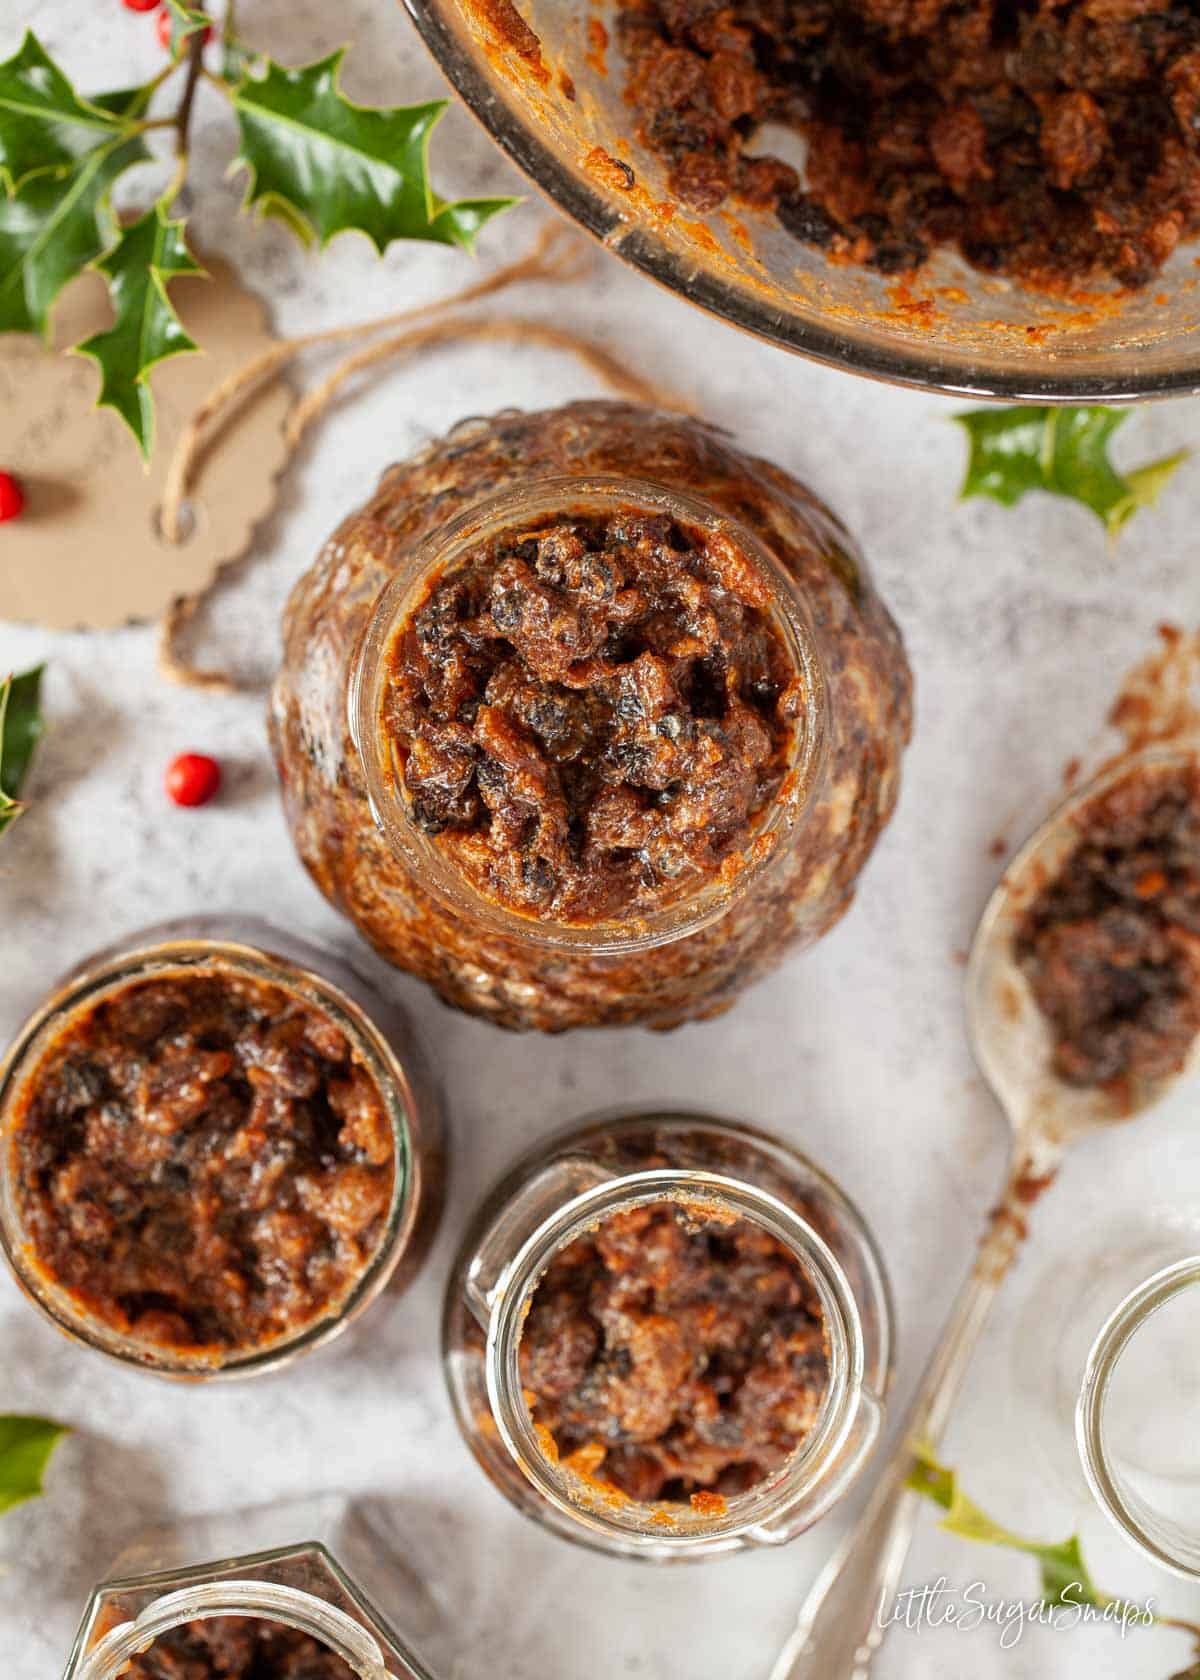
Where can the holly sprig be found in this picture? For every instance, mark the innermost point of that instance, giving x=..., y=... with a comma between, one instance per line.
x=1063, y=451
x=311, y=157
x=1064, y=1576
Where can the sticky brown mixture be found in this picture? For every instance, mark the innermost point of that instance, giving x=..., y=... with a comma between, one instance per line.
x=677, y=1355
x=237, y=1648
x=201, y=1161
x=1111, y=946
x=1052, y=140
x=591, y=713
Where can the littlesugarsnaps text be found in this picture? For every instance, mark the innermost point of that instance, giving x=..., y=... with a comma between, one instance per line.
x=940, y=1606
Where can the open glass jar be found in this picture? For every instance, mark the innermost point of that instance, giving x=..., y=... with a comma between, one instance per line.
x=660, y=604
x=1135, y=1417
x=715, y=1172
x=214, y=1094
x=318, y=1566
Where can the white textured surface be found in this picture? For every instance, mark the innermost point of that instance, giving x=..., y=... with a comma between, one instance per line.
x=1018, y=624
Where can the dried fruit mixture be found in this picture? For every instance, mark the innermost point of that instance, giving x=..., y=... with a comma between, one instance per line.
x=676, y=1354
x=1056, y=141
x=202, y=1162
x=1111, y=945
x=237, y=1648
x=592, y=712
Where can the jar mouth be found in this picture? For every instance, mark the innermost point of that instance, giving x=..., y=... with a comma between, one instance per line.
x=431, y=866
x=1158, y=1536
x=261, y=1600
x=89, y=986
x=666, y=1527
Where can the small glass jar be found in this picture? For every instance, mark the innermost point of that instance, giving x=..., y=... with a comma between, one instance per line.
x=562, y=1190
x=1135, y=1421
x=382, y=1043
x=320, y=1566
x=795, y=871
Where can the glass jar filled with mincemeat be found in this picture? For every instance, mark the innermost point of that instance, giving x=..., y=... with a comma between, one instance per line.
x=668, y=1336
x=587, y=717
x=217, y=1147
x=306, y=1590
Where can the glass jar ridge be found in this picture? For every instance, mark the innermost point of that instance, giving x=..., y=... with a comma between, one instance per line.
x=720, y=1170
x=788, y=866
x=377, y=1032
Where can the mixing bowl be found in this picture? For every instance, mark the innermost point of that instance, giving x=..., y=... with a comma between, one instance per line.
x=553, y=100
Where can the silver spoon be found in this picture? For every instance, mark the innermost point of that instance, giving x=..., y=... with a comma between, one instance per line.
x=838, y=1631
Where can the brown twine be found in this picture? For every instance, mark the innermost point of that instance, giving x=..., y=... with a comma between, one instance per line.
x=513, y=329
x=557, y=256
x=176, y=667
x=540, y=263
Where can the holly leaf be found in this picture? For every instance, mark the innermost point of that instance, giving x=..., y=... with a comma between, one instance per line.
x=53, y=227
x=1065, y=1577
x=1063, y=451
x=150, y=253
x=25, y=1447
x=186, y=21
x=45, y=127
x=327, y=166
x=21, y=728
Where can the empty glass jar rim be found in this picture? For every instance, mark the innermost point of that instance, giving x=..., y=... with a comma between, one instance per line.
x=1159, y=1537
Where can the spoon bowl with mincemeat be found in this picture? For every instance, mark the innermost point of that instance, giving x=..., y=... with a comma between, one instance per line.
x=1083, y=1009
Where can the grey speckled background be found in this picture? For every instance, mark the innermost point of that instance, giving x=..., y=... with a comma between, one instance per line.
x=1018, y=624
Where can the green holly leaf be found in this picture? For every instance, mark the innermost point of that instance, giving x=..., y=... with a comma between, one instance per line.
x=186, y=21
x=1065, y=1578
x=146, y=258
x=25, y=1447
x=21, y=728
x=45, y=127
x=327, y=166
x=53, y=227
x=1063, y=451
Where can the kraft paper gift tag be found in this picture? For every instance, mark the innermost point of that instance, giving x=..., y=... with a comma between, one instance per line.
x=86, y=552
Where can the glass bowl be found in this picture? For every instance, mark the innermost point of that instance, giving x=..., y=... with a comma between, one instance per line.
x=555, y=104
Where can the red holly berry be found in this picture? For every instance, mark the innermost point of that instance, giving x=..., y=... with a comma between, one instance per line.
x=163, y=26
x=141, y=5
x=192, y=779
x=12, y=497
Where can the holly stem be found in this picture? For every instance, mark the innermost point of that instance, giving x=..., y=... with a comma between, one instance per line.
x=183, y=117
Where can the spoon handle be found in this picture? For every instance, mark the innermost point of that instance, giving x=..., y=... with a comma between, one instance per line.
x=842, y=1622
